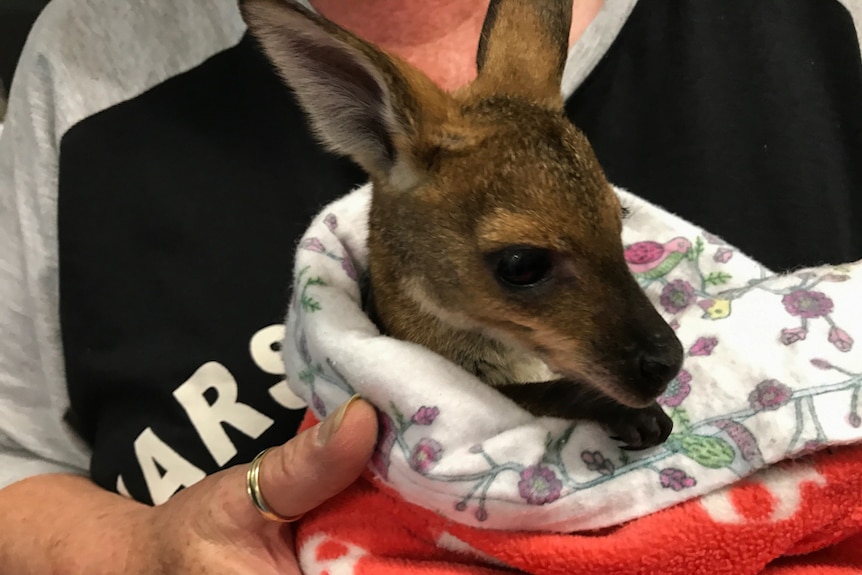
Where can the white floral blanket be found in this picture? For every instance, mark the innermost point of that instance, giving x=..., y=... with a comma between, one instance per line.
x=771, y=372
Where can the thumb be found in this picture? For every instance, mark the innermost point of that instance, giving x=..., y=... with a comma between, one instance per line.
x=321, y=461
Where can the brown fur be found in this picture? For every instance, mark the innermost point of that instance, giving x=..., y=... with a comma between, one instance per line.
x=523, y=50
x=463, y=175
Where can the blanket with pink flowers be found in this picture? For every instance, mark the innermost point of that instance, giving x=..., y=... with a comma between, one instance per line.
x=771, y=373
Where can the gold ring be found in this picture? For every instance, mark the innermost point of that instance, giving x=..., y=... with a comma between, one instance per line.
x=254, y=493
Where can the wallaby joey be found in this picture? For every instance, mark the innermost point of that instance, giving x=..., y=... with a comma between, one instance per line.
x=494, y=235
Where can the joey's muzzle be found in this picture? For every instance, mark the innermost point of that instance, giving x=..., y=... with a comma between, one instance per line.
x=657, y=362
x=653, y=354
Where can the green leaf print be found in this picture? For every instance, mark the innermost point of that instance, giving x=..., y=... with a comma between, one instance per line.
x=309, y=304
x=306, y=376
x=711, y=452
x=398, y=416
x=717, y=278
x=624, y=458
x=680, y=418
x=554, y=446
x=694, y=252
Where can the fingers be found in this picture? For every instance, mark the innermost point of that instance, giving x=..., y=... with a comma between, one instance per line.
x=214, y=522
x=320, y=462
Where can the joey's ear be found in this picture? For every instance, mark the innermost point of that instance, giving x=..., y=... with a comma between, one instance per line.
x=360, y=102
x=523, y=49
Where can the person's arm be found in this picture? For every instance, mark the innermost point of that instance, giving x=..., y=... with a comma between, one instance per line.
x=66, y=524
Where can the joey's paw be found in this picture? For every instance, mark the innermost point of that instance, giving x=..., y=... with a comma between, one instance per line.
x=640, y=428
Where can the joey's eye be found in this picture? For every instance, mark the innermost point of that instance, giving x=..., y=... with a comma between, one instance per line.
x=523, y=266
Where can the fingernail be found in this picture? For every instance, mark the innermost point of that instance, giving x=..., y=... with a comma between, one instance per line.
x=331, y=424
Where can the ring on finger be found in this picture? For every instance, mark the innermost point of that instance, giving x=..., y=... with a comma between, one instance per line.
x=253, y=488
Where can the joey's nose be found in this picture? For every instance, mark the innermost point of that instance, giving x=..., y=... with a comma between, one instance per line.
x=660, y=364
x=657, y=369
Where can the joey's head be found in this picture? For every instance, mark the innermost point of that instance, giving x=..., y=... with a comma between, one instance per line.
x=490, y=209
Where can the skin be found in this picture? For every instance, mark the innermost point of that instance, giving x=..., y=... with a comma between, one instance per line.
x=442, y=42
x=66, y=524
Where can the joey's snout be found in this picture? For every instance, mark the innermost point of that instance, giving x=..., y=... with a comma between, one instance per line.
x=653, y=353
x=656, y=362
x=639, y=351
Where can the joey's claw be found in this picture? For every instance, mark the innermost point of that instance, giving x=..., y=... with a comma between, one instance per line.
x=640, y=428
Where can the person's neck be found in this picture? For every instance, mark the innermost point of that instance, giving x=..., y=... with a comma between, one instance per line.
x=440, y=37
x=398, y=24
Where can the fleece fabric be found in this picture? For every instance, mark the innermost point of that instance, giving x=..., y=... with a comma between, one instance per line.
x=798, y=517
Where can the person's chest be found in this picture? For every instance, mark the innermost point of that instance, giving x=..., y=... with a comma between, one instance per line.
x=179, y=213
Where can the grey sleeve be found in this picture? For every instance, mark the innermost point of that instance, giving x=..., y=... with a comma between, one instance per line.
x=33, y=439
x=855, y=9
x=82, y=56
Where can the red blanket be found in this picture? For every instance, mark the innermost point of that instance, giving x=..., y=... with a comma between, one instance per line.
x=798, y=517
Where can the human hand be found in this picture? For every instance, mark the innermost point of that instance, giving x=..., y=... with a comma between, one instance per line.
x=212, y=527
